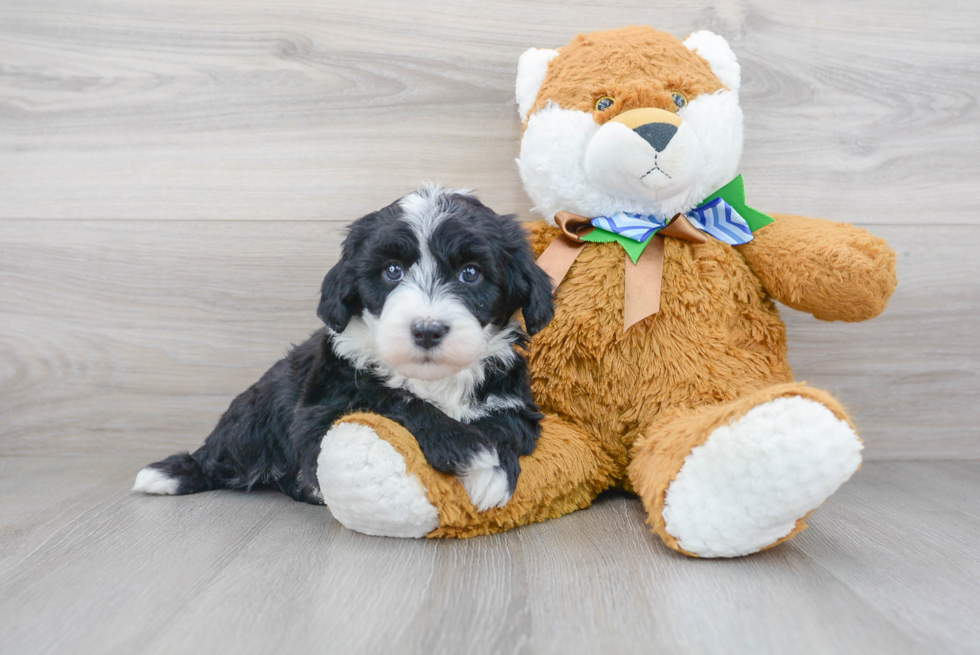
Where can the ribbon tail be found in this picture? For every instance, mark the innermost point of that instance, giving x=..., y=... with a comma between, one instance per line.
x=558, y=257
x=643, y=282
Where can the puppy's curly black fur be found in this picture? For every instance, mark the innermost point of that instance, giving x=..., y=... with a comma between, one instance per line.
x=465, y=270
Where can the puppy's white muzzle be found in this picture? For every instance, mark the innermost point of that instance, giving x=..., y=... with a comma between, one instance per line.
x=396, y=334
x=644, y=154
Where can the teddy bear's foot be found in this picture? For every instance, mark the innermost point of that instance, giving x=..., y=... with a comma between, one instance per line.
x=367, y=486
x=753, y=474
x=746, y=487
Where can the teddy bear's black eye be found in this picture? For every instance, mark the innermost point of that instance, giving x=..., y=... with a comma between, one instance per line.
x=680, y=100
x=604, y=103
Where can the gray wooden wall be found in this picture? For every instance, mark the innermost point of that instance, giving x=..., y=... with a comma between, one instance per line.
x=175, y=176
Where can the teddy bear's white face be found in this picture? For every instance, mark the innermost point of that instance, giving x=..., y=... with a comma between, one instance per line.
x=645, y=159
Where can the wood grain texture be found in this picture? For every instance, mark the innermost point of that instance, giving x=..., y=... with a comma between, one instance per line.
x=890, y=565
x=133, y=337
x=313, y=110
x=174, y=177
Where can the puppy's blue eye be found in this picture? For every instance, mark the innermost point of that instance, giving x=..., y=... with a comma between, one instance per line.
x=680, y=100
x=604, y=103
x=470, y=275
x=394, y=273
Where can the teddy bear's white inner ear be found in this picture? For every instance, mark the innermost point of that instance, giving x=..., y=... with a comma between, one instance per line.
x=719, y=55
x=531, y=69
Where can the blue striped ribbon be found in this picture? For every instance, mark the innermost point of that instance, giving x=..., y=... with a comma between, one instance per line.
x=637, y=227
x=716, y=218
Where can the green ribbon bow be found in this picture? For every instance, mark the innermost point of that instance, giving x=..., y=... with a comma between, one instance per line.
x=733, y=193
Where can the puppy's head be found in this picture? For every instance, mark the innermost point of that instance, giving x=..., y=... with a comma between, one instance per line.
x=428, y=284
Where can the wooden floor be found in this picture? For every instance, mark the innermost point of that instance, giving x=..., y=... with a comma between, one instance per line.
x=175, y=176
x=889, y=565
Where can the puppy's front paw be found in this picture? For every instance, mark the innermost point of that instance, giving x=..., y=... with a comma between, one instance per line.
x=486, y=481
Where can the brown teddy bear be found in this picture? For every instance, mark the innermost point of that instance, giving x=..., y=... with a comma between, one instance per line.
x=664, y=371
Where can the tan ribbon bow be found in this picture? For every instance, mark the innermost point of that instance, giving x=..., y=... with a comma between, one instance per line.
x=643, y=279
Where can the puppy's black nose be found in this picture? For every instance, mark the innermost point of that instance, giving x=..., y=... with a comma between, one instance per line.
x=657, y=135
x=428, y=334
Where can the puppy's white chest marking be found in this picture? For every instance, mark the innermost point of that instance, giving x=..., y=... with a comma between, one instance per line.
x=453, y=395
x=456, y=398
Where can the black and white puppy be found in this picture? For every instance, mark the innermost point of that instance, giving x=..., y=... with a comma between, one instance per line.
x=420, y=328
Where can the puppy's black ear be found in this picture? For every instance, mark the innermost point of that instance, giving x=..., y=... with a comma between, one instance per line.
x=530, y=286
x=539, y=308
x=338, y=298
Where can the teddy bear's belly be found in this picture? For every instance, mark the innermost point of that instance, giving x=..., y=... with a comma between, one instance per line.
x=717, y=337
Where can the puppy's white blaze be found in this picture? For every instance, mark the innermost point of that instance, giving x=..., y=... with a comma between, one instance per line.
x=155, y=481
x=485, y=482
x=425, y=209
x=554, y=155
x=420, y=297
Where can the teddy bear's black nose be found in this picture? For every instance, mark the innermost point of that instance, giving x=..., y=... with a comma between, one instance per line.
x=657, y=135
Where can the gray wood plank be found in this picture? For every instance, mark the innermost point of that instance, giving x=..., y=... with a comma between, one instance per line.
x=883, y=569
x=129, y=337
x=635, y=595
x=359, y=594
x=952, y=484
x=116, y=335
x=40, y=495
x=911, y=555
x=121, y=569
x=308, y=110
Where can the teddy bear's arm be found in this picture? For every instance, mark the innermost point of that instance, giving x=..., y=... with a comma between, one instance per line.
x=835, y=271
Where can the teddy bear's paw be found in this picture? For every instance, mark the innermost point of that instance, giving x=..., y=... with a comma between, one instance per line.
x=746, y=487
x=367, y=486
x=485, y=481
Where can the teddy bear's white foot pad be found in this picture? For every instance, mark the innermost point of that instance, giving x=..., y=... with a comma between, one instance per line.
x=748, y=484
x=367, y=487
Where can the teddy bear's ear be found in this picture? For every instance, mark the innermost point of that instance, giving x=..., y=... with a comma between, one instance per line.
x=717, y=52
x=531, y=69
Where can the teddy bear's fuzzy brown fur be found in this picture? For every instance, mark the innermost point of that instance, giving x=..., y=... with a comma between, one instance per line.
x=626, y=60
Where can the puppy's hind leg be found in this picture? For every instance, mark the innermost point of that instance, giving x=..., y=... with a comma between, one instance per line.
x=176, y=475
x=240, y=452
